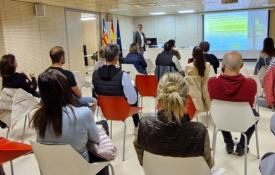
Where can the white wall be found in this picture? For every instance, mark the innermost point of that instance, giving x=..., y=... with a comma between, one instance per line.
x=185, y=29
x=126, y=29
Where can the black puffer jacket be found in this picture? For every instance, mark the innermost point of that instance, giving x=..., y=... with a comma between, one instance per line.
x=158, y=136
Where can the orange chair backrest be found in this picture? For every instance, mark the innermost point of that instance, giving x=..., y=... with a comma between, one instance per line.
x=114, y=107
x=10, y=150
x=190, y=107
x=147, y=85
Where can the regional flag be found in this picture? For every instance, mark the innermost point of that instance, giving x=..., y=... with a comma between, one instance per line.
x=112, y=33
x=105, y=34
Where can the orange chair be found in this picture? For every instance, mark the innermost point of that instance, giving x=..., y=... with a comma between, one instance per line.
x=116, y=108
x=147, y=86
x=10, y=150
x=190, y=107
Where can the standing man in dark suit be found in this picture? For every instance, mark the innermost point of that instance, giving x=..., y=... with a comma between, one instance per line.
x=139, y=38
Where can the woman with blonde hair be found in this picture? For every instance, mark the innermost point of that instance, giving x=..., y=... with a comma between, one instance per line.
x=135, y=58
x=172, y=126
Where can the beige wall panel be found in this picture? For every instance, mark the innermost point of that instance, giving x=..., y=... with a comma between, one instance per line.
x=90, y=37
x=29, y=37
x=21, y=35
x=75, y=41
x=52, y=32
x=272, y=24
x=2, y=46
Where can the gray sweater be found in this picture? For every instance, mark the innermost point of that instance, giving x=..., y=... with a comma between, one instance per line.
x=78, y=128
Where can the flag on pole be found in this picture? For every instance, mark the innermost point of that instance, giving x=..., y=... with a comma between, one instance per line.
x=105, y=34
x=118, y=39
x=112, y=32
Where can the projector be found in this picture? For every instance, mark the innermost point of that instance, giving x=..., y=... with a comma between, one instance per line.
x=229, y=1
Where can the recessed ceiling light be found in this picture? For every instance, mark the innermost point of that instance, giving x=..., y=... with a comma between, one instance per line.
x=118, y=10
x=157, y=13
x=169, y=5
x=87, y=18
x=186, y=11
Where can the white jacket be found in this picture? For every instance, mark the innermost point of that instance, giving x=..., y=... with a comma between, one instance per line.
x=15, y=104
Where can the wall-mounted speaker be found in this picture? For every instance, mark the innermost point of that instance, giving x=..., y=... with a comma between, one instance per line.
x=40, y=10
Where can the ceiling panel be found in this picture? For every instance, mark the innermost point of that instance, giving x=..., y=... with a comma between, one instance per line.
x=144, y=7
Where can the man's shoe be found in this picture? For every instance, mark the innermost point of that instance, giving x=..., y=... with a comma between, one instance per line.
x=240, y=150
x=229, y=148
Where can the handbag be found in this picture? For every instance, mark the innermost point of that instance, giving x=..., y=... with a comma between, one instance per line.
x=105, y=148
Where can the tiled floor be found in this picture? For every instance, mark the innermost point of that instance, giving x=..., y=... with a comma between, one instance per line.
x=233, y=165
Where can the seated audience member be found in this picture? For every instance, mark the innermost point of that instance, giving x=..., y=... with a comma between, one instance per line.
x=109, y=80
x=172, y=133
x=269, y=85
x=166, y=62
x=2, y=170
x=212, y=59
x=57, y=55
x=267, y=164
x=197, y=75
x=233, y=86
x=12, y=79
x=266, y=55
x=135, y=58
x=101, y=61
x=173, y=51
x=58, y=121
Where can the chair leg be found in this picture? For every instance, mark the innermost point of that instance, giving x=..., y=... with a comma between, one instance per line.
x=97, y=111
x=214, y=130
x=12, y=171
x=257, y=141
x=257, y=104
x=207, y=117
x=155, y=107
x=112, y=169
x=245, y=154
x=24, y=129
x=124, y=140
x=111, y=129
x=8, y=132
x=214, y=144
x=141, y=103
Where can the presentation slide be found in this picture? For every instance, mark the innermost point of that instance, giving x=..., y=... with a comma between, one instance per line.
x=240, y=30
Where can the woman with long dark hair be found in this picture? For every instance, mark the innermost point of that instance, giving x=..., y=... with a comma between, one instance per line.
x=197, y=74
x=58, y=121
x=266, y=55
x=199, y=61
x=12, y=79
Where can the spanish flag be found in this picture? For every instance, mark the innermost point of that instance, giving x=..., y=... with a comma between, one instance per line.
x=112, y=33
x=105, y=34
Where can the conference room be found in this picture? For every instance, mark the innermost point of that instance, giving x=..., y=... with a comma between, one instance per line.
x=147, y=87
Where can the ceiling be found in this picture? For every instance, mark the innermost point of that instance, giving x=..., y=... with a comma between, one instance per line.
x=144, y=7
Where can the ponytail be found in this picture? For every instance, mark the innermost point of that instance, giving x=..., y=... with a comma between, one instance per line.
x=172, y=96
